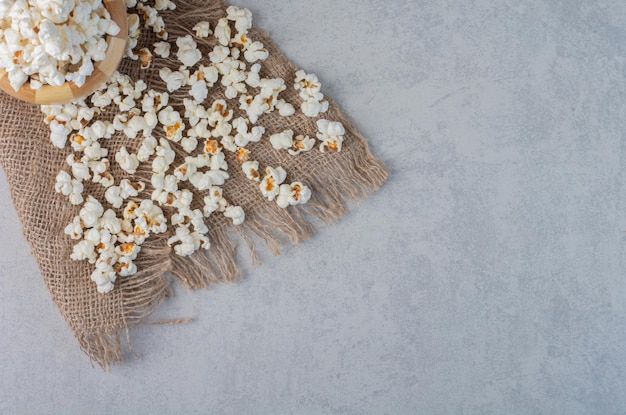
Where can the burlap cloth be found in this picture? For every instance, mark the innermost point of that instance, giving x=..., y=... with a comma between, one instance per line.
x=99, y=321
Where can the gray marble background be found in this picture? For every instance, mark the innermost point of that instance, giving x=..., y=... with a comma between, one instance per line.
x=487, y=276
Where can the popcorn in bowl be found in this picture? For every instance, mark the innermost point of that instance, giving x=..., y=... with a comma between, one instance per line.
x=51, y=42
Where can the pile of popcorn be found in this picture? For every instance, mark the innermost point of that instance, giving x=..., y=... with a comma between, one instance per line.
x=110, y=233
x=52, y=41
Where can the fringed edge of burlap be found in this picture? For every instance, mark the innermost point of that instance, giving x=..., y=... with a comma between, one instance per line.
x=354, y=177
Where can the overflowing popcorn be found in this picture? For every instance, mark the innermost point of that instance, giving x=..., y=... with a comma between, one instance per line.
x=53, y=41
x=184, y=144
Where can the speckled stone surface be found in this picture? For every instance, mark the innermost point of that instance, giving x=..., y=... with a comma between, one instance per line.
x=487, y=276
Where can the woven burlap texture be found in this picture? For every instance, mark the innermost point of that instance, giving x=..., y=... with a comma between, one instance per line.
x=99, y=321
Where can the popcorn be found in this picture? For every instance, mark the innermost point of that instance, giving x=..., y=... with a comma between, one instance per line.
x=331, y=134
x=109, y=222
x=91, y=212
x=308, y=85
x=59, y=133
x=128, y=162
x=188, y=52
x=219, y=54
x=199, y=91
x=131, y=189
x=69, y=187
x=125, y=267
x=84, y=250
x=284, y=108
x=145, y=58
x=113, y=196
x=312, y=108
x=164, y=5
x=282, y=141
x=242, y=18
x=256, y=52
x=80, y=169
x=251, y=170
x=294, y=194
x=222, y=32
x=235, y=213
x=202, y=29
x=162, y=49
x=301, y=144
x=174, y=79
x=104, y=280
x=75, y=229
x=270, y=184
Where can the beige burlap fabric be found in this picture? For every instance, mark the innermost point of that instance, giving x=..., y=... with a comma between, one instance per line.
x=99, y=321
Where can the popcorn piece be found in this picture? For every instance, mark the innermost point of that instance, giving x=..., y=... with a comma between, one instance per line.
x=301, y=144
x=242, y=18
x=331, y=134
x=75, y=229
x=84, y=250
x=251, y=169
x=282, y=141
x=284, y=108
x=145, y=58
x=91, y=212
x=175, y=80
x=312, y=108
x=308, y=85
x=222, y=32
x=188, y=52
x=256, y=52
x=202, y=29
x=128, y=162
x=270, y=184
x=235, y=213
x=113, y=196
x=162, y=49
x=294, y=194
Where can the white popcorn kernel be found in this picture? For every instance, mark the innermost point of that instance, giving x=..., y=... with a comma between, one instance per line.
x=235, y=213
x=202, y=29
x=184, y=171
x=128, y=162
x=284, y=108
x=59, y=133
x=169, y=117
x=153, y=215
x=162, y=49
x=164, y=5
x=175, y=80
x=110, y=222
x=199, y=91
x=282, y=141
x=242, y=18
x=256, y=52
x=308, y=85
x=125, y=267
x=95, y=152
x=222, y=32
x=219, y=54
x=312, y=108
x=80, y=169
x=331, y=134
x=91, y=212
x=147, y=148
x=189, y=144
x=75, y=229
x=301, y=144
x=273, y=179
x=188, y=52
x=251, y=170
x=214, y=202
x=130, y=189
x=84, y=250
x=128, y=249
x=63, y=183
x=145, y=58
x=112, y=195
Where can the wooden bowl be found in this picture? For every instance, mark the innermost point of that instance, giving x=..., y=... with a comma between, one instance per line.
x=68, y=92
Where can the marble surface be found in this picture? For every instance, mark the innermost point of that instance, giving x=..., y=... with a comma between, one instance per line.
x=486, y=277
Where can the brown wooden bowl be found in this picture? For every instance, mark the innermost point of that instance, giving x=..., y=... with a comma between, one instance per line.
x=68, y=92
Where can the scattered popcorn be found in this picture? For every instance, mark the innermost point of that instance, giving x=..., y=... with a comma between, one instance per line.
x=301, y=144
x=202, y=29
x=145, y=58
x=271, y=182
x=235, y=213
x=112, y=243
x=188, y=52
x=251, y=170
x=294, y=194
x=128, y=162
x=282, y=141
x=162, y=49
x=331, y=135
